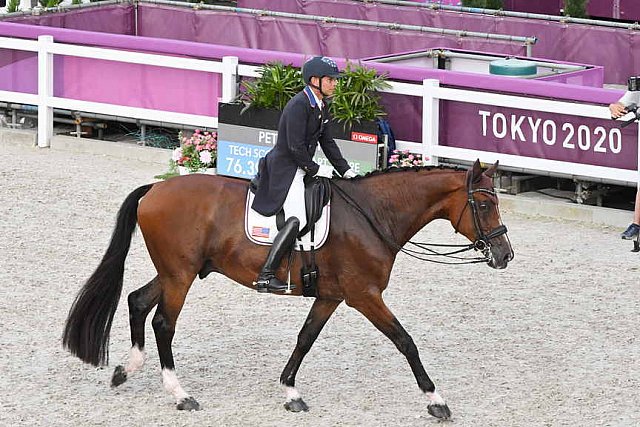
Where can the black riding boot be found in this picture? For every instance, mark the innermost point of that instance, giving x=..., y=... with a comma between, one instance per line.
x=282, y=245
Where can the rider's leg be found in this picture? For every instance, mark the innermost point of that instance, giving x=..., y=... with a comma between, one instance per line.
x=294, y=211
x=282, y=245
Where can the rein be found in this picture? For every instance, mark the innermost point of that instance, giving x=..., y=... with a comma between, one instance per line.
x=481, y=243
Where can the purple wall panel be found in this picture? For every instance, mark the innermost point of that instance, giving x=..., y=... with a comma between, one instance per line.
x=626, y=9
x=557, y=41
x=134, y=85
x=546, y=7
x=18, y=71
x=116, y=19
x=629, y=10
x=591, y=77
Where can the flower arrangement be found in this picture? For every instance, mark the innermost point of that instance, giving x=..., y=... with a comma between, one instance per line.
x=403, y=159
x=196, y=152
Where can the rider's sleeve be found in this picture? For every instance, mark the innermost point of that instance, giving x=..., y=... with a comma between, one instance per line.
x=630, y=98
x=295, y=124
x=332, y=151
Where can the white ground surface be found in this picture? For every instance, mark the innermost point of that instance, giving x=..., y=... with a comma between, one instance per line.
x=550, y=341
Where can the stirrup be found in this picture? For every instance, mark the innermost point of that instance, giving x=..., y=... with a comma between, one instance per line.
x=271, y=284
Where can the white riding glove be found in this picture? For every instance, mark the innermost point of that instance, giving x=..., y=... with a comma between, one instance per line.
x=349, y=174
x=325, y=171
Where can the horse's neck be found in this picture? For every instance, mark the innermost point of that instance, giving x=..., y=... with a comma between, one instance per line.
x=404, y=202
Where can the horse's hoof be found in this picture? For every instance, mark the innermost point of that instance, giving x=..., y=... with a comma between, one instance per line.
x=439, y=411
x=119, y=376
x=188, y=404
x=296, y=405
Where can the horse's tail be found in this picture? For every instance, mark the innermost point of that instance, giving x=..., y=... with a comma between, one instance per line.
x=86, y=333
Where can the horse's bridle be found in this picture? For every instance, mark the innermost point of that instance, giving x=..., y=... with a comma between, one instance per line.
x=482, y=241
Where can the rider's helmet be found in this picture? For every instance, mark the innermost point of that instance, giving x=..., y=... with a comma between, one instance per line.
x=319, y=66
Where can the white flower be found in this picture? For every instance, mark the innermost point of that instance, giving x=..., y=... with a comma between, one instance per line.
x=177, y=154
x=205, y=157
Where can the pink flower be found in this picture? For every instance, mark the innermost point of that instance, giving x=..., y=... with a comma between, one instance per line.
x=177, y=154
x=205, y=157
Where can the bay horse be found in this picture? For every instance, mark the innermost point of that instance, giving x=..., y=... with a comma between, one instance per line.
x=193, y=225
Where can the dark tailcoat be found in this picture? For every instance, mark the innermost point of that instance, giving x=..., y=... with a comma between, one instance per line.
x=302, y=125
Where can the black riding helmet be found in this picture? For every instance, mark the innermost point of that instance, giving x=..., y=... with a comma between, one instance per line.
x=319, y=66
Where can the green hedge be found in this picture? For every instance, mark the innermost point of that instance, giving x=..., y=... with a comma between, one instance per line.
x=575, y=8
x=485, y=4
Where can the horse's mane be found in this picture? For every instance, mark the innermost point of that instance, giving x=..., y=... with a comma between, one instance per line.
x=394, y=169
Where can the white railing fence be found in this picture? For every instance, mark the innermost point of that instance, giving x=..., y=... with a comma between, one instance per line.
x=229, y=68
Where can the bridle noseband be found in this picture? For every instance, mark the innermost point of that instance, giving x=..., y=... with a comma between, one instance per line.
x=482, y=241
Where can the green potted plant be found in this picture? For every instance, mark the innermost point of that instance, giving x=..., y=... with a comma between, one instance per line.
x=261, y=100
x=355, y=100
x=277, y=84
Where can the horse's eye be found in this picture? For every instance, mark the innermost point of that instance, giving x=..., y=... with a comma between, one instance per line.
x=484, y=206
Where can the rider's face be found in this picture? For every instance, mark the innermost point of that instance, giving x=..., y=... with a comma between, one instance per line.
x=329, y=85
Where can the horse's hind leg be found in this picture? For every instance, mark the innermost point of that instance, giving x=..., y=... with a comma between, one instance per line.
x=171, y=301
x=140, y=302
x=382, y=318
x=317, y=318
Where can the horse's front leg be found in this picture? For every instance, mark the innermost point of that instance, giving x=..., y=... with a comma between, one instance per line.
x=374, y=309
x=317, y=318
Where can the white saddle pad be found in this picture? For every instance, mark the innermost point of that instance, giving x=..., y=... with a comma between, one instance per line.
x=262, y=229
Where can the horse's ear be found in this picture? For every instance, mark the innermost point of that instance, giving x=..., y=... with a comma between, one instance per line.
x=492, y=170
x=476, y=172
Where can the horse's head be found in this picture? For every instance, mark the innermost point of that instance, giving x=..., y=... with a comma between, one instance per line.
x=478, y=218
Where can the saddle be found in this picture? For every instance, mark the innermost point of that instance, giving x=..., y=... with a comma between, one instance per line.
x=317, y=195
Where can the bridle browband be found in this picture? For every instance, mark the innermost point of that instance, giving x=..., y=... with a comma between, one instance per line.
x=481, y=243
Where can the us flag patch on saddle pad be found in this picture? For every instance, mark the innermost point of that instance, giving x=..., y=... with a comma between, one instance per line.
x=260, y=232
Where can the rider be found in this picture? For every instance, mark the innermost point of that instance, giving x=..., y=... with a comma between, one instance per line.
x=619, y=109
x=304, y=123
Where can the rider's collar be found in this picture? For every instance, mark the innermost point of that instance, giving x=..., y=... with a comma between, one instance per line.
x=313, y=99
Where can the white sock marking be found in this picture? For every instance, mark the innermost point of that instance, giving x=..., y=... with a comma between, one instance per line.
x=292, y=393
x=172, y=385
x=435, y=399
x=136, y=359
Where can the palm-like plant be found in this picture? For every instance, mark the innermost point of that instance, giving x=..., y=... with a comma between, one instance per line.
x=355, y=99
x=13, y=6
x=49, y=3
x=277, y=84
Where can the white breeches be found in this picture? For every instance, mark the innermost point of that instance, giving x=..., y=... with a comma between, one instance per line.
x=294, y=203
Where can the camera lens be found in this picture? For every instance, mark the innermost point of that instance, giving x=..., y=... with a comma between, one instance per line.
x=632, y=84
